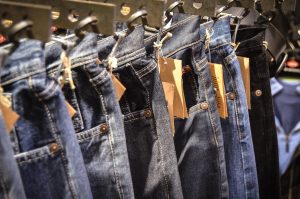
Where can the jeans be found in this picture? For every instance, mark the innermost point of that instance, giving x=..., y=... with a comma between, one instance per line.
x=239, y=152
x=149, y=138
x=98, y=121
x=44, y=142
x=290, y=179
x=11, y=185
x=198, y=138
x=261, y=113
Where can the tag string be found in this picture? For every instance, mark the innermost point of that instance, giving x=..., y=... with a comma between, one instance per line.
x=158, y=45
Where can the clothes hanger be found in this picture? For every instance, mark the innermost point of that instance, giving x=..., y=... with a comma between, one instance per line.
x=18, y=18
x=126, y=8
x=25, y=21
x=89, y=21
x=194, y=7
x=171, y=8
x=276, y=36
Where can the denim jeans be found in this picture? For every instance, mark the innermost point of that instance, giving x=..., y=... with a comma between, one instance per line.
x=98, y=120
x=149, y=138
x=198, y=138
x=261, y=114
x=239, y=152
x=290, y=180
x=44, y=142
x=11, y=185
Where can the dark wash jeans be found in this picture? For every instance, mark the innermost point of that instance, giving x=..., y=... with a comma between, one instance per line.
x=98, y=122
x=44, y=142
x=290, y=180
x=11, y=185
x=149, y=138
x=239, y=152
x=261, y=114
x=198, y=139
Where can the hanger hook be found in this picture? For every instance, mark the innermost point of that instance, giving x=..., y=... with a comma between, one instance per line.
x=24, y=25
x=176, y=4
x=135, y=16
x=88, y=21
x=282, y=63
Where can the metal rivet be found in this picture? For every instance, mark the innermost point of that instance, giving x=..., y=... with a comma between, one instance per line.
x=147, y=113
x=204, y=105
x=231, y=96
x=103, y=128
x=258, y=93
x=53, y=148
x=113, y=180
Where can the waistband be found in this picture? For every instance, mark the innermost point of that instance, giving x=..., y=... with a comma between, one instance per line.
x=189, y=31
x=216, y=32
x=250, y=39
x=27, y=59
x=84, y=52
x=129, y=48
x=185, y=33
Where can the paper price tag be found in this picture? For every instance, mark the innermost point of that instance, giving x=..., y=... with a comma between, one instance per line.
x=245, y=69
x=119, y=87
x=71, y=110
x=216, y=72
x=10, y=117
x=171, y=72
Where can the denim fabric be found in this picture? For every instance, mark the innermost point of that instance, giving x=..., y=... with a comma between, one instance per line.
x=290, y=180
x=239, y=152
x=43, y=139
x=98, y=122
x=148, y=134
x=198, y=139
x=261, y=114
x=11, y=185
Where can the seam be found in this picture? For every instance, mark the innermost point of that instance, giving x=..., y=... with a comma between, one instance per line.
x=166, y=186
x=116, y=173
x=196, y=108
x=160, y=148
x=5, y=188
x=131, y=54
x=83, y=58
x=99, y=79
x=211, y=122
x=130, y=59
x=134, y=119
x=53, y=131
x=49, y=91
x=136, y=114
x=172, y=27
x=236, y=107
x=148, y=69
x=219, y=46
x=78, y=111
x=140, y=72
x=126, y=104
x=183, y=47
x=22, y=77
x=102, y=102
x=32, y=159
x=88, y=134
x=140, y=79
x=110, y=136
x=15, y=141
x=194, y=85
